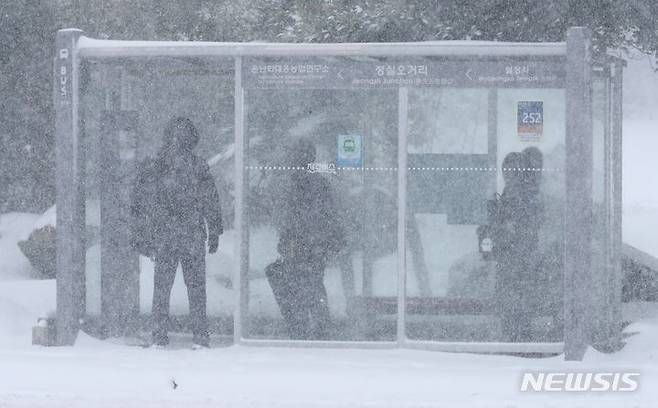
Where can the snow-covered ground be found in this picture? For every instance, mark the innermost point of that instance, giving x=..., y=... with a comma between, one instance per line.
x=102, y=374
x=97, y=374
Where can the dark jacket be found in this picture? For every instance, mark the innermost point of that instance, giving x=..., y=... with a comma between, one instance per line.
x=174, y=200
x=520, y=215
x=309, y=228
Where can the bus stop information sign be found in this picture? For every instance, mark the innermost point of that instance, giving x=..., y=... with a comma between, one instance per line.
x=346, y=73
x=530, y=120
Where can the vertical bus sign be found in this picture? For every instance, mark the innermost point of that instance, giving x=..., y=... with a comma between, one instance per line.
x=530, y=120
x=64, y=67
x=63, y=73
x=70, y=192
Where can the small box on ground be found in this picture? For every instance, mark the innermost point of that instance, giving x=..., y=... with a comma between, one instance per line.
x=44, y=334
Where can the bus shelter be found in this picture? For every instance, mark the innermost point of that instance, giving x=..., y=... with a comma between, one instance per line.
x=413, y=140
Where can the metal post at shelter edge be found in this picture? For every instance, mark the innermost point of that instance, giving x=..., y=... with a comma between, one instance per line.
x=70, y=190
x=578, y=176
x=241, y=283
x=617, y=158
x=403, y=98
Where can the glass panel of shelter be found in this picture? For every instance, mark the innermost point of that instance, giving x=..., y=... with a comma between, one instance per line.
x=485, y=214
x=126, y=105
x=321, y=199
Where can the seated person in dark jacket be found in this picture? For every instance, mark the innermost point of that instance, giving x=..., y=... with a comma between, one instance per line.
x=175, y=209
x=309, y=234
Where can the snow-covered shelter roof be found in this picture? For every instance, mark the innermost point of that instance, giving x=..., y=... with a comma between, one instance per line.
x=89, y=47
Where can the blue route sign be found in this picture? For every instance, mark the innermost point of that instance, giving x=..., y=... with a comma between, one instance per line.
x=530, y=120
x=350, y=151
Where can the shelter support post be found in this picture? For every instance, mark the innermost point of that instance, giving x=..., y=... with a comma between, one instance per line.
x=616, y=156
x=578, y=176
x=70, y=191
x=240, y=279
x=403, y=102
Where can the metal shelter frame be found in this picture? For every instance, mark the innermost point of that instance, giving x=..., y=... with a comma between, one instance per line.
x=72, y=47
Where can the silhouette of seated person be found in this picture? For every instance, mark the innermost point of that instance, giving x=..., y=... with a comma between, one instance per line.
x=309, y=235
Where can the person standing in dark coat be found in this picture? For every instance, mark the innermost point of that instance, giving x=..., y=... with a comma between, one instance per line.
x=515, y=233
x=176, y=209
x=309, y=234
